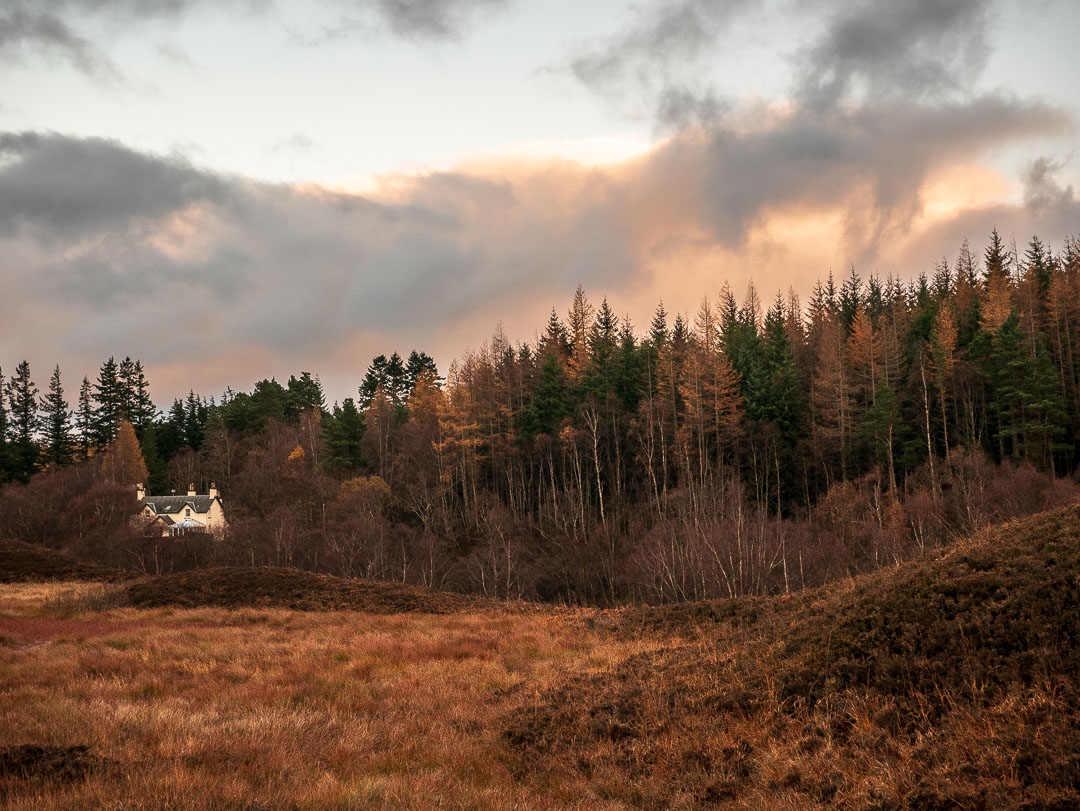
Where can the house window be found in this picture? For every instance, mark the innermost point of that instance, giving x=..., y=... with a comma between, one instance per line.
x=187, y=512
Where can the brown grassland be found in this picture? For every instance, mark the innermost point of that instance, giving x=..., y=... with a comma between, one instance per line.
x=952, y=682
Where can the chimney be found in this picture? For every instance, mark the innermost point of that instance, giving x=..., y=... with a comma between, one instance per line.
x=140, y=491
x=213, y=490
x=191, y=489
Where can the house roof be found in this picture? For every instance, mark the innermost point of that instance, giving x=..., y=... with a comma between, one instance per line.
x=173, y=505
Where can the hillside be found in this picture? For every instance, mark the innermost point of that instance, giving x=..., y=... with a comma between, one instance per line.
x=949, y=682
x=267, y=586
x=28, y=563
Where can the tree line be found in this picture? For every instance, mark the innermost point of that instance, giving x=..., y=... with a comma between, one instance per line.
x=749, y=447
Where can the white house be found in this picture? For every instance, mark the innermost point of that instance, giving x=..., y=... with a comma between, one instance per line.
x=179, y=515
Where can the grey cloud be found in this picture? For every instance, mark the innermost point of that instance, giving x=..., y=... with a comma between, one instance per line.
x=51, y=28
x=1043, y=193
x=659, y=54
x=433, y=19
x=67, y=188
x=917, y=49
x=151, y=255
x=140, y=245
x=884, y=154
x=23, y=31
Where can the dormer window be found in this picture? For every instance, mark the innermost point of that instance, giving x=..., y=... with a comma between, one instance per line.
x=187, y=512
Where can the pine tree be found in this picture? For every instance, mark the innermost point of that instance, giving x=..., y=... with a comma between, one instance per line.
x=126, y=380
x=599, y=379
x=579, y=320
x=109, y=403
x=141, y=407
x=85, y=419
x=343, y=435
x=56, y=423
x=23, y=422
x=303, y=394
x=550, y=401
x=555, y=339
x=155, y=465
x=998, y=301
x=419, y=363
x=195, y=413
x=850, y=299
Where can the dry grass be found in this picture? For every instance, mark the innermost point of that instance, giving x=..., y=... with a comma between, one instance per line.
x=272, y=708
x=951, y=683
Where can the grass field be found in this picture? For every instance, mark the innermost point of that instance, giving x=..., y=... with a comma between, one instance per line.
x=949, y=683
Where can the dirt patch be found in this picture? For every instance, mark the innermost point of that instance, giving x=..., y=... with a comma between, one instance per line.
x=235, y=587
x=28, y=563
x=59, y=763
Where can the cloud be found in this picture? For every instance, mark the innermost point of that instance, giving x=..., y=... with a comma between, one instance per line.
x=54, y=29
x=882, y=51
x=107, y=250
x=659, y=54
x=24, y=32
x=433, y=19
x=66, y=189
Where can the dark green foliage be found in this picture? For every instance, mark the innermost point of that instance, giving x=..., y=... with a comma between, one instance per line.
x=23, y=422
x=57, y=442
x=389, y=375
x=343, y=433
x=155, y=463
x=417, y=364
x=304, y=393
x=775, y=392
x=551, y=401
x=109, y=404
x=84, y=419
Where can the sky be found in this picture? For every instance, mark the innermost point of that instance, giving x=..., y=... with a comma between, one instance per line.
x=238, y=189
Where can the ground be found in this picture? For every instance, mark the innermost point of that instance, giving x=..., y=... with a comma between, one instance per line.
x=951, y=682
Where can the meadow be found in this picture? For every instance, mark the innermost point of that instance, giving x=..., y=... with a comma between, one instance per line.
x=948, y=682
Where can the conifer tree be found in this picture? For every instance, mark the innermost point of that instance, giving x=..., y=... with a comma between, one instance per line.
x=579, y=319
x=998, y=300
x=23, y=422
x=419, y=363
x=599, y=379
x=85, y=421
x=555, y=339
x=195, y=413
x=141, y=408
x=109, y=405
x=303, y=394
x=56, y=423
x=343, y=434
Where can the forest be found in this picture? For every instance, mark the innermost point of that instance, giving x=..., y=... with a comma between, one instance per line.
x=752, y=447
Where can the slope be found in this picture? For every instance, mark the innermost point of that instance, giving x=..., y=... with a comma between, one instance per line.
x=952, y=681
